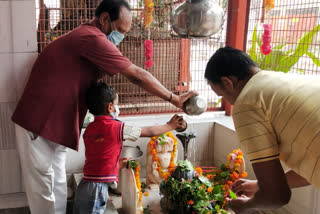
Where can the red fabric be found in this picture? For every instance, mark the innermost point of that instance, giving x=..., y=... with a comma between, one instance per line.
x=103, y=140
x=148, y=52
x=52, y=104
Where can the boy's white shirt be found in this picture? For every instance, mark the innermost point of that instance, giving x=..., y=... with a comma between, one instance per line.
x=131, y=133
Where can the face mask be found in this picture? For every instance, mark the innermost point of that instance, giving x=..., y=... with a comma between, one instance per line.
x=115, y=37
x=115, y=114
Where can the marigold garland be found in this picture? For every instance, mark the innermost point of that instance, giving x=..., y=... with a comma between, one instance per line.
x=134, y=165
x=148, y=9
x=172, y=164
x=138, y=183
x=268, y=4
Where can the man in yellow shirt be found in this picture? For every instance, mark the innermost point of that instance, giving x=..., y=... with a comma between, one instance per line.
x=277, y=118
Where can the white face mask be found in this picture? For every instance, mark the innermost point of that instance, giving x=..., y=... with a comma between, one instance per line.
x=115, y=114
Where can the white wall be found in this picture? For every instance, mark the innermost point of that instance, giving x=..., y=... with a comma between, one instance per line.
x=17, y=54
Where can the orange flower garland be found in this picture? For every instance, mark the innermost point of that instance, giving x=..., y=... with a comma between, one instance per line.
x=138, y=183
x=153, y=152
x=268, y=4
x=148, y=9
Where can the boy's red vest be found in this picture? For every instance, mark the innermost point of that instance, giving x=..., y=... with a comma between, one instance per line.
x=103, y=140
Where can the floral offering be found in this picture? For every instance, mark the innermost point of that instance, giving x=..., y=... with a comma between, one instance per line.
x=202, y=189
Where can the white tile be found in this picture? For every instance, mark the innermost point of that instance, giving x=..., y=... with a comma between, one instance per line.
x=22, y=65
x=24, y=32
x=7, y=80
x=5, y=27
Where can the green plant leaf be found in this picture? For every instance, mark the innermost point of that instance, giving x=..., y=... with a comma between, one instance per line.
x=232, y=194
x=163, y=136
x=259, y=40
x=133, y=164
x=161, y=142
x=205, y=181
x=302, y=48
x=186, y=165
x=224, y=174
x=314, y=59
x=217, y=103
x=253, y=49
x=278, y=47
x=272, y=60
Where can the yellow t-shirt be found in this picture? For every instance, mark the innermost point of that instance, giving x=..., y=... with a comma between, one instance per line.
x=277, y=115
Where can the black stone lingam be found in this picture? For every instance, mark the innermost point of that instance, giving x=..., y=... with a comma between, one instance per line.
x=185, y=139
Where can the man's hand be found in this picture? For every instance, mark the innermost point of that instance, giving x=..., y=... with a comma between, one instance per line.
x=179, y=100
x=245, y=187
x=238, y=205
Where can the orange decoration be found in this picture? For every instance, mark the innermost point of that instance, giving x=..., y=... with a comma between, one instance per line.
x=148, y=9
x=268, y=4
x=190, y=202
x=153, y=152
x=199, y=170
x=209, y=189
x=138, y=183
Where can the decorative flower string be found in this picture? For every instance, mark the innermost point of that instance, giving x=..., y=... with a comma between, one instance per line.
x=138, y=183
x=268, y=4
x=172, y=164
x=148, y=52
x=148, y=10
x=266, y=40
x=266, y=36
x=148, y=49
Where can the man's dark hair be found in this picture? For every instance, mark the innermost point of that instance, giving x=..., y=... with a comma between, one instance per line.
x=112, y=7
x=229, y=61
x=97, y=95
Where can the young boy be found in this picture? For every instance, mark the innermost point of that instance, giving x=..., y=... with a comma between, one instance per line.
x=103, y=139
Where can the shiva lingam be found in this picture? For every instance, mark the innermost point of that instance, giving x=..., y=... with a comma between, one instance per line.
x=185, y=139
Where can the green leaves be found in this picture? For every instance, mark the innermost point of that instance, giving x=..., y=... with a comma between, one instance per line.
x=253, y=49
x=232, y=194
x=302, y=48
x=133, y=164
x=279, y=59
x=315, y=60
x=186, y=165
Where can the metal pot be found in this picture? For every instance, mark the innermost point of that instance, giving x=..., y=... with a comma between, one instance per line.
x=131, y=152
x=197, y=18
x=195, y=105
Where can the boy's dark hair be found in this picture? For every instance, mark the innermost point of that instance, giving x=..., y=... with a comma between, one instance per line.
x=97, y=95
x=228, y=61
x=112, y=7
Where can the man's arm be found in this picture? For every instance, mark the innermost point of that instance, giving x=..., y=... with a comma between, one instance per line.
x=273, y=191
x=149, y=83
